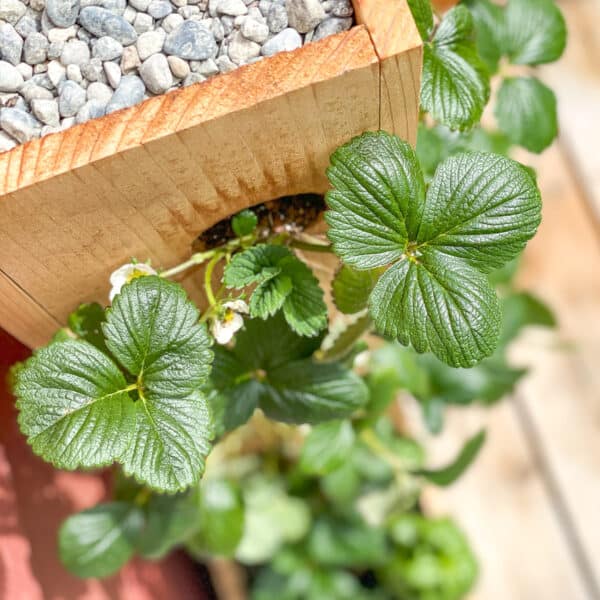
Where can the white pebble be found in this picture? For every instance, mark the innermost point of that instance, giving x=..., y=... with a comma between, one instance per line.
x=6, y=142
x=56, y=72
x=156, y=74
x=75, y=52
x=10, y=78
x=59, y=34
x=74, y=73
x=179, y=67
x=99, y=91
x=150, y=43
x=130, y=60
x=113, y=74
x=255, y=31
x=285, y=41
x=46, y=111
x=232, y=8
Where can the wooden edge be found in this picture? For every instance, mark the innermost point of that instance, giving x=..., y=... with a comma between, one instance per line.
x=390, y=24
x=172, y=113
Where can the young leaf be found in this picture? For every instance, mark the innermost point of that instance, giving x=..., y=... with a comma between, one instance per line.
x=526, y=112
x=244, y=223
x=455, y=83
x=153, y=330
x=482, y=208
x=254, y=265
x=449, y=474
x=440, y=304
x=99, y=541
x=351, y=288
x=86, y=323
x=489, y=26
x=327, y=447
x=372, y=209
x=535, y=32
x=423, y=16
x=74, y=408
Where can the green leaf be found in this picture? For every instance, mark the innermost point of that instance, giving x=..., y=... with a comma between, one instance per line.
x=86, y=323
x=423, y=16
x=99, y=541
x=455, y=82
x=489, y=26
x=221, y=520
x=526, y=112
x=341, y=344
x=351, y=288
x=373, y=207
x=285, y=282
x=440, y=304
x=535, y=32
x=449, y=474
x=153, y=330
x=521, y=309
x=244, y=223
x=74, y=408
x=327, y=447
x=482, y=208
x=307, y=392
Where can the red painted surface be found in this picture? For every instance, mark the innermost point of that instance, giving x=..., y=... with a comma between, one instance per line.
x=35, y=498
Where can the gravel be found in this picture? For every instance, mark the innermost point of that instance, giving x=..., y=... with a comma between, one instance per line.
x=63, y=62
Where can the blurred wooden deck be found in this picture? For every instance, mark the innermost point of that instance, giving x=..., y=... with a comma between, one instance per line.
x=531, y=503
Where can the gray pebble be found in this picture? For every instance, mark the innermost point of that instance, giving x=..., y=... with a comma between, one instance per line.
x=63, y=13
x=35, y=48
x=106, y=48
x=43, y=80
x=75, y=52
x=25, y=70
x=255, y=31
x=19, y=124
x=241, y=50
x=232, y=7
x=26, y=25
x=285, y=41
x=30, y=91
x=10, y=78
x=74, y=73
x=227, y=23
x=342, y=8
x=143, y=22
x=158, y=9
x=179, y=67
x=189, y=12
x=304, y=15
x=93, y=70
x=115, y=6
x=46, y=111
x=331, y=26
x=85, y=36
x=12, y=10
x=130, y=91
x=113, y=74
x=38, y=5
x=193, y=78
x=71, y=98
x=100, y=22
x=217, y=30
x=11, y=44
x=191, y=41
x=92, y=109
x=156, y=74
x=55, y=50
x=225, y=64
x=206, y=67
x=171, y=22
x=150, y=43
x=277, y=18
x=130, y=60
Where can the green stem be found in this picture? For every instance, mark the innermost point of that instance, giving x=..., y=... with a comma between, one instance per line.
x=311, y=247
x=193, y=261
x=373, y=442
x=210, y=267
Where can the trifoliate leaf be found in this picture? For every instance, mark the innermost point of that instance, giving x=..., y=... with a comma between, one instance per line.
x=372, y=208
x=153, y=330
x=438, y=303
x=327, y=447
x=526, y=112
x=221, y=520
x=307, y=392
x=449, y=474
x=482, y=208
x=535, y=32
x=86, y=323
x=74, y=407
x=285, y=282
x=455, y=82
x=351, y=288
x=244, y=223
x=99, y=541
x=423, y=16
x=489, y=26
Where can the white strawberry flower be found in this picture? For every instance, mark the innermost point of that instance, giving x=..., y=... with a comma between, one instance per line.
x=229, y=321
x=125, y=274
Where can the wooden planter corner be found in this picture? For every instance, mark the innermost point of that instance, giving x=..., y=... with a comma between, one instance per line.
x=147, y=180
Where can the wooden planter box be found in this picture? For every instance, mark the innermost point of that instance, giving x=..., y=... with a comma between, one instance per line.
x=147, y=180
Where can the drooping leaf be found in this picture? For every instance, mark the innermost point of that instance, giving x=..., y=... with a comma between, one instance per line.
x=526, y=112
x=449, y=474
x=73, y=406
x=489, y=26
x=373, y=207
x=153, y=330
x=482, y=208
x=521, y=309
x=99, y=541
x=351, y=288
x=535, y=32
x=343, y=343
x=423, y=16
x=438, y=303
x=244, y=223
x=455, y=82
x=327, y=447
x=86, y=323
